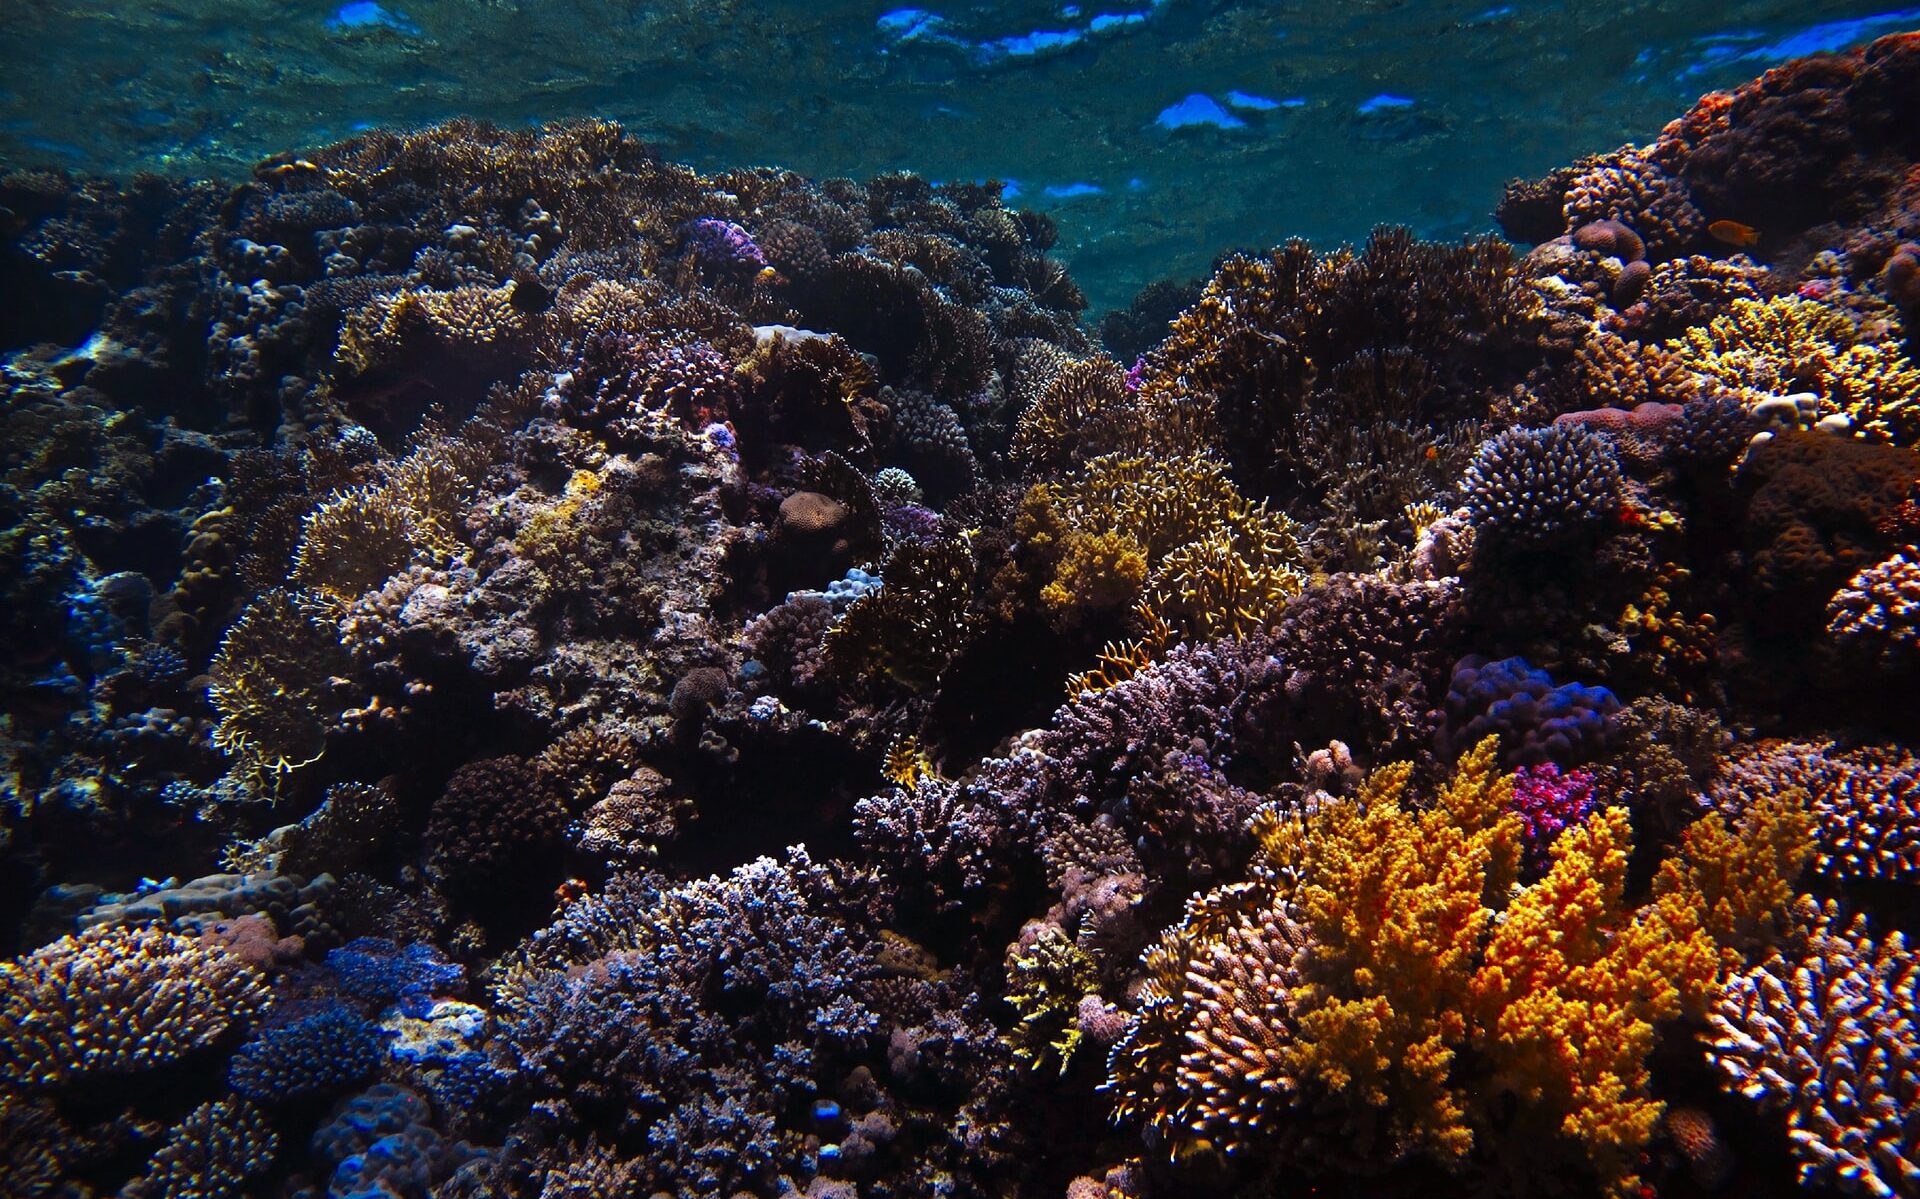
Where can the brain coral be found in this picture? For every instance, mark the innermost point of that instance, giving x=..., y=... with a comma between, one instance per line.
x=116, y=1000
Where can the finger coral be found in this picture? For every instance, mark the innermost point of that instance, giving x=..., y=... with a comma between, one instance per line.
x=1534, y=488
x=117, y=1000
x=1829, y=1035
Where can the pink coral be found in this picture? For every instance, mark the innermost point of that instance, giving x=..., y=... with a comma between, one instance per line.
x=1548, y=802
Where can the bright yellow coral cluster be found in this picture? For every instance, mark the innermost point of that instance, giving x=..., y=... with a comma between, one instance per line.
x=1789, y=345
x=1433, y=1000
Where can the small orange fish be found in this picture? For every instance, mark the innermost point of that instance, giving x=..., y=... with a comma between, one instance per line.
x=1734, y=233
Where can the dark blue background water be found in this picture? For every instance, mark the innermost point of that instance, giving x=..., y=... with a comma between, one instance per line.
x=1157, y=133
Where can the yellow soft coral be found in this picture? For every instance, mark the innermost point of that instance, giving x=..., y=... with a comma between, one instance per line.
x=1397, y=901
x=1567, y=994
x=1427, y=999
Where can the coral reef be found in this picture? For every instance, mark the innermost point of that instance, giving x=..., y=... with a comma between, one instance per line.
x=537, y=671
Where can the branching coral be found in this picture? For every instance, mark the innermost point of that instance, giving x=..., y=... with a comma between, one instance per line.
x=1632, y=187
x=1865, y=802
x=116, y=1000
x=273, y=686
x=1830, y=1035
x=211, y=1154
x=1327, y=1003
x=1768, y=349
x=469, y=321
x=1877, y=613
x=1045, y=982
x=1534, y=488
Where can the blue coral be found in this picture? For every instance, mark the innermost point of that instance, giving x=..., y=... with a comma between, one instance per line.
x=327, y=1051
x=378, y=972
x=1538, y=722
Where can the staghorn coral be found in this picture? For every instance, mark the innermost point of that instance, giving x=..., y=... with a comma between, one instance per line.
x=352, y=824
x=1266, y=343
x=211, y=1154
x=1876, y=616
x=1787, y=345
x=1536, y=488
x=1865, y=802
x=116, y=1000
x=1174, y=530
x=1829, y=1035
x=273, y=687
x=358, y=539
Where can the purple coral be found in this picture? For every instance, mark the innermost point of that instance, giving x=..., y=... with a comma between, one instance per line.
x=1549, y=802
x=719, y=243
